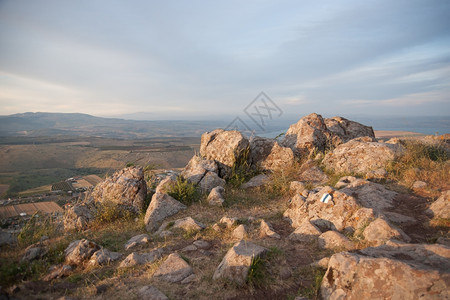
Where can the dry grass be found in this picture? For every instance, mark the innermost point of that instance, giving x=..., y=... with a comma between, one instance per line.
x=425, y=162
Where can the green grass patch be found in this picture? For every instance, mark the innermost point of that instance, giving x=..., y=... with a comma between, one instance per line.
x=184, y=191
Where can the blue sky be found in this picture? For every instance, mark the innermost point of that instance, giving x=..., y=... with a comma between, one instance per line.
x=206, y=59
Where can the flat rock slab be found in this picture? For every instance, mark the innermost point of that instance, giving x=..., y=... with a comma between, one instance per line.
x=392, y=271
x=236, y=263
x=149, y=292
x=173, y=269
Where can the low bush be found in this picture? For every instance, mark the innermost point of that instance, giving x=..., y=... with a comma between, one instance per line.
x=184, y=191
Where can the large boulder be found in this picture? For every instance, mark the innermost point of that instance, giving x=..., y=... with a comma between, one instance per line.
x=268, y=155
x=226, y=148
x=77, y=217
x=360, y=156
x=126, y=187
x=346, y=130
x=197, y=168
x=161, y=207
x=79, y=251
x=441, y=207
x=236, y=263
x=392, y=271
x=307, y=134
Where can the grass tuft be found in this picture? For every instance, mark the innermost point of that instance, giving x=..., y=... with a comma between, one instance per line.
x=184, y=191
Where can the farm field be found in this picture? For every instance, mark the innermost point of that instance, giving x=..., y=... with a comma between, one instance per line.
x=30, y=163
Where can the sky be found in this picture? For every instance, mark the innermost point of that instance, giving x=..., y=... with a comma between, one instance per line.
x=207, y=59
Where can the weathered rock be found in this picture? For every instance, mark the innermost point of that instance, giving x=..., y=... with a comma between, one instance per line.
x=380, y=231
x=210, y=181
x=328, y=216
x=441, y=207
x=297, y=187
x=79, y=251
x=125, y=187
x=266, y=229
x=201, y=244
x=150, y=292
x=419, y=185
x=173, y=269
x=239, y=232
x=345, y=181
x=6, y=238
x=371, y=195
x=166, y=184
x=188, y=224
x=347, y=130
x=312, y=173
x=305, y=232
x=268, y=155
x=322, y=263
x=34, y=252
x=103, y=257
x=236, y=263
x=399, y=218
x=77, y=217
x=229, y=222
x=257, y=181
x=137, y=240
x=58, y=271
x=347, y=158
x=215, y=197
x=197, y=168
x=191, y=278
x=161, y=207
x=378, y=174
x=189, y=248
x=393, y=271
x=335, y=240
x=141, y=258
x=443, y=241
x=227, y=148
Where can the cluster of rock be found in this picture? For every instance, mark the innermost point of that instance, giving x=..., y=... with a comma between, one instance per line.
x=358, y=207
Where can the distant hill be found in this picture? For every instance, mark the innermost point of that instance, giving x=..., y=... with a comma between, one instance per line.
x=59, y=124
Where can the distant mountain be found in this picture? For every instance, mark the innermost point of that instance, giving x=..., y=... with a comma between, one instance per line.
x=51, y=124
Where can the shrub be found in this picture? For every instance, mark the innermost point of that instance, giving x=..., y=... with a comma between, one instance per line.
x=108, y=212
x=184, y=191
x=241, y=170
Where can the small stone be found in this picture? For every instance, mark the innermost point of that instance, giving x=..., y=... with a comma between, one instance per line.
x=267, y=230
x=189, y=279
x=173, y=269
x=215, y=197
x=419, y=185
x=189, y=248
x=137, y=240
x=201, y=244
x=239, y=232
x=228, y=221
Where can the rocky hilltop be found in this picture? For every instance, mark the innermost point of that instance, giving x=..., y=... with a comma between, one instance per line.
x=327, y=211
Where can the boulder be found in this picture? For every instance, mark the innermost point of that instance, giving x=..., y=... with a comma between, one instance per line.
x=197, y=168
x=103, y=257
x=305, y=232
x=141, y=258
x=308, y=134
x=77, y=217
x=257, y=181
x=236, y=263
x=215, y=197
x=34, y=252
x=210, y=181
x=6, y=238
x=371, y=195
x=330, y=216
x=58, y=271
x=239, y=232
x=380, y=231
x=150, y=292
x=348, y=157
x=335, y=240
x=441, y=207
x=79, y=251
x=266, y=230
x=393, y=271
x=161, y=207
x=346, y=130
x=137, y=240
x=166, y=184
x=226, y=148
x=126, y=187
x=173, y=269
x=268, y=155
